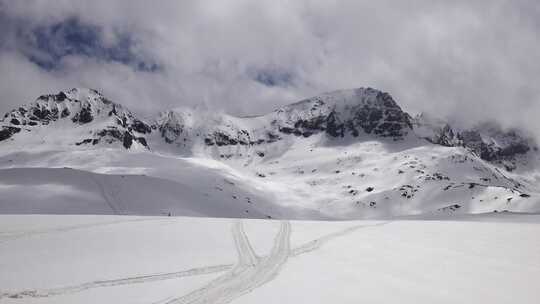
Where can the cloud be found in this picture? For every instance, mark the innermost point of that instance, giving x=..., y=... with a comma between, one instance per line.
x=467, y=60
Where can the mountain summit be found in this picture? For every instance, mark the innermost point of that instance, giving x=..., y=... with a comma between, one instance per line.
x=109, y=122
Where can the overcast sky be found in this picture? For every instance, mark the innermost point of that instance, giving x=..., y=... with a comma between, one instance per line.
x=472, y=60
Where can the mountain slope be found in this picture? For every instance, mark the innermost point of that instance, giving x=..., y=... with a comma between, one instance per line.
x=69, y=191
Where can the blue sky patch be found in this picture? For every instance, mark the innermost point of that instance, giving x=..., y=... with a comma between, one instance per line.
x=70, y=37
x=273, y=77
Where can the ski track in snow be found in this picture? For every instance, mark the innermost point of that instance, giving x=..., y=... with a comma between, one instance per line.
x=117, y=282
x=105, y=196
x=249, y=273
x=317, y=243
x=13, y=235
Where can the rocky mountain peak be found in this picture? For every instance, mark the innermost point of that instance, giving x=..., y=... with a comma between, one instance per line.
x=488, y=140
x=80, y=105
x=113, y=122
x=346, y=112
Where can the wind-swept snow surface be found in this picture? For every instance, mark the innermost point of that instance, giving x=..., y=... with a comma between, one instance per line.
x=61, y=259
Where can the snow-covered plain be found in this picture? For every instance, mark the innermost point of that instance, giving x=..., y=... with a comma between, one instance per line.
x=121, y=259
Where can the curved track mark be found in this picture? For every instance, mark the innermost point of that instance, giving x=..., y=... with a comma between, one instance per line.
x=13, y=235
x=256, y=270
x=317, y=243
x=244, y=277
x=117, y=282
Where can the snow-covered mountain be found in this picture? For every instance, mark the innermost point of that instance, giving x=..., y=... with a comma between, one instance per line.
x=507, y=148
x=102, y=120
x=341, y=155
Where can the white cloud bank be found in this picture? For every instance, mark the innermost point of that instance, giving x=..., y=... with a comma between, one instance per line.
x=473, y=61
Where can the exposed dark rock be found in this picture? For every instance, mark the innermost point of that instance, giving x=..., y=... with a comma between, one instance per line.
x=113, y=132
x=123, y=121
x=84, y=116
x=334, y=127
x=7, y=132
x=65, y=113
x=53, y=114
x=41, y=113
x=113, y=111
x=170, y=131
x=286, y=130
x=140, y=127
x=128, y=140
x=60, y=96
x=272, y=137
x=513, y=149
x=453, y=207
x=222, y=139
x=142, y=141
x=85, y=141
x=104, y=100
